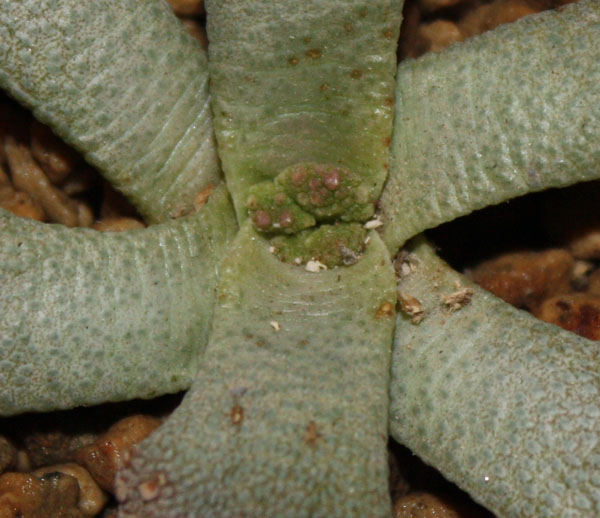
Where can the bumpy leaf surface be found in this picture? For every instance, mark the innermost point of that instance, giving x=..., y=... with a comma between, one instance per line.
x=505, y=405
x=299, y=82
x=87, y=317
x=509, y=112
x=282, y=422
x=124, y=83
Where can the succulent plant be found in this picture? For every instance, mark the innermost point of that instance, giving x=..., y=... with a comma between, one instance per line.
x=277, y=311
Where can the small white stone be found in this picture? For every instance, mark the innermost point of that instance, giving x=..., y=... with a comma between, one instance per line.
x=272, y=249
x=374, y=223
x=315, y=266
x=298, y=260
x=275, y=325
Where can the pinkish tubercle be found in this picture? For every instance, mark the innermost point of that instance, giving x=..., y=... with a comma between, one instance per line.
x=262, y=219
x=315, y=183
x=298, y=177
x=280, y=198
x=332, y=180
x=286, y=219
x=316, y=198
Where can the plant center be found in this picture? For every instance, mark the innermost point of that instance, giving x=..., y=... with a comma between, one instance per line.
x=312, y=212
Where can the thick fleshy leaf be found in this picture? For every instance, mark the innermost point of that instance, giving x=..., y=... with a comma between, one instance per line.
x=505, y=405
x=302, y=82
x=122, y=82
x=288, y=415
x=87, y=317
x=506, y=113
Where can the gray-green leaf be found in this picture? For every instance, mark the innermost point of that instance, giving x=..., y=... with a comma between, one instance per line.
x=508, y=112
x=288, y=415
x=123, y=83
x=295, y=82
x=87, y=317
x=501, y=403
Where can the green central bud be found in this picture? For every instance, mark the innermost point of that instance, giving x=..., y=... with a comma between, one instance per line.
x=331, y=245
x=273, y=211
x=327, y=191
x=307, y=193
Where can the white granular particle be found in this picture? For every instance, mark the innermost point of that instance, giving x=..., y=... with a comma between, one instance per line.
x=374, y=223
x=275, y=325
x=315, y=266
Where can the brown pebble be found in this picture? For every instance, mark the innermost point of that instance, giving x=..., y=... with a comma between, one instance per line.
x=576, y=312
x=91, y=498
x=23, y=205
x=24, y=495
x=586, y=243
x=8, y=455
x=524, y=279
x=54, y=446
x=593, y=282
x=105, y=456
x=187, y=7
x=424, y=505
x=434, y=5
x=117, y=224
x=56, y=158
x=489, y=16
x=438, y=35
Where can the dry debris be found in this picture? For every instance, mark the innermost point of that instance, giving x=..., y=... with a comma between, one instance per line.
x=458, y=299
x=385, y=310
x=203, y=196
x=275, y=325
x=315, y=266
x=312, y=434
x=405, y=263
x=412, y=307
x=373, y=223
